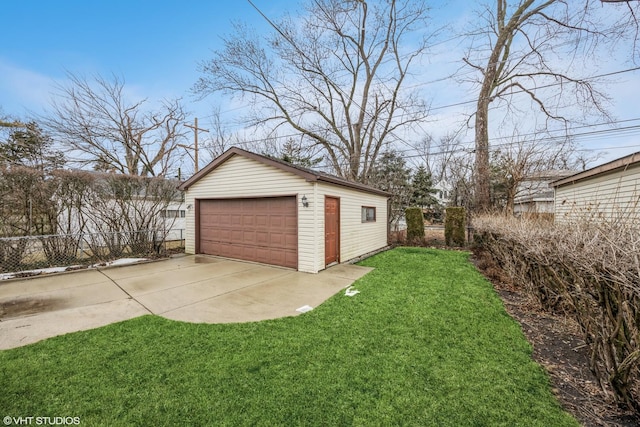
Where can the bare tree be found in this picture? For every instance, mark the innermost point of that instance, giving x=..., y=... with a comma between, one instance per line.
x=97, y=122
x=128, y=211
x=437, y=156
x=522, y=47
x=220, y=138
x=458, y=177
x=522, y=159
x=334, y=75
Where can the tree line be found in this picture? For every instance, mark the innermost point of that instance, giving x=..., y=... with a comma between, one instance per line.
x=336, y=75
x=38, y=196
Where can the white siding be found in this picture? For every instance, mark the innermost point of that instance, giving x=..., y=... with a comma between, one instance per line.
x=356, y=238
x=534, y=207
x=614, y=196
x=243, y=177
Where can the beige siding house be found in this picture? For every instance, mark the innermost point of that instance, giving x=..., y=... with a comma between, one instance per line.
x=251, y=207
x=609, y=192
x=534, y=195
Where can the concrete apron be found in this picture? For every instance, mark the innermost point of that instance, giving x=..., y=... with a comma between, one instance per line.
x=198, y=289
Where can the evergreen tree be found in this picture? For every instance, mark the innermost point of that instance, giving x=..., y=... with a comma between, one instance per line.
x=391, y=174
x=422, y=185
x=28, y=145
x=296, y=155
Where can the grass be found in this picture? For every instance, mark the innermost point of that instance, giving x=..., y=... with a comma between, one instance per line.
x=426, y=343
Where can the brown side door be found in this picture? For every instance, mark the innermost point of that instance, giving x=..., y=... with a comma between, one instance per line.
x=331, y=230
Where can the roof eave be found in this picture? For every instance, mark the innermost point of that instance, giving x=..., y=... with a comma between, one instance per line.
x=612, y=166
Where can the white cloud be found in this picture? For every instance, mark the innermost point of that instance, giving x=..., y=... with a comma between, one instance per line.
x=23, y=90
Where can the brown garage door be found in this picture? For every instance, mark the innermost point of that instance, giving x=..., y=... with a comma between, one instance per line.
x=261, y=230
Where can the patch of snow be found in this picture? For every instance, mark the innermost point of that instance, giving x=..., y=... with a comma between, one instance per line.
x=121, y=261
x=37, y=272
x=125, y=261
x=304, y=309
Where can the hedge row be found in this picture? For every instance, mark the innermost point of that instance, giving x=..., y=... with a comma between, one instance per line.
x=588, y=270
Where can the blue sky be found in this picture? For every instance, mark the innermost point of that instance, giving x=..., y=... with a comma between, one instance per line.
x=155, y=45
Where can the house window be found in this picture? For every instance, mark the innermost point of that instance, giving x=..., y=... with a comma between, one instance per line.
x=173, y=213
x=368, y=214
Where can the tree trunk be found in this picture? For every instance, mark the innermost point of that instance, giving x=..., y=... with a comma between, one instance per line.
x=483, y=179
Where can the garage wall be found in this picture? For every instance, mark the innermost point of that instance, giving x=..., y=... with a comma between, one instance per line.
x=612, y=196
x=356, y=238
x=240, y=176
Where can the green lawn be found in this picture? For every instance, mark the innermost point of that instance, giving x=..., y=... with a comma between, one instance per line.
x=426, y=342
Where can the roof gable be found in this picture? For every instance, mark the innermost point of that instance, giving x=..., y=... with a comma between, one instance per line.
x=308, y=174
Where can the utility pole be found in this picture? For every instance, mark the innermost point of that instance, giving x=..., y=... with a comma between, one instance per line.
x=196, y=129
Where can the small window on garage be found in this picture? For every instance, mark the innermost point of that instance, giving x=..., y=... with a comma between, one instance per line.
x=368, y=214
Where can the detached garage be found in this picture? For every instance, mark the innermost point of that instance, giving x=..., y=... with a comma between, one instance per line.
x=251, y=207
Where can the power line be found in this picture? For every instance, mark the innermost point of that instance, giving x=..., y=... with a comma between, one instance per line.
x=456, y=104
x=565, y=135
x=303, y=54
x=460, y=147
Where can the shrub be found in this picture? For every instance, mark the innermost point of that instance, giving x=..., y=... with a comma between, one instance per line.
x=589, y=270
x=415, y=223
x=454, y=226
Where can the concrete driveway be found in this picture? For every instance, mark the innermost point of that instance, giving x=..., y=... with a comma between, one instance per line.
x=198, y=288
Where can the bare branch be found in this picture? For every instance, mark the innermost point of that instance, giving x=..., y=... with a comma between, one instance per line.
x=96, y=122
x=528, y=41
x=334, y=74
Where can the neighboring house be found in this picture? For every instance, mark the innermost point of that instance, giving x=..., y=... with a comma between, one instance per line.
x=443, y=192
x=608, y=192
x=534, y=195
x=156, y=214
x=175, y=220
x=246, y=206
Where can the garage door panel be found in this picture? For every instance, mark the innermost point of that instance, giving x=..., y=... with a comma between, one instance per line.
x=291, y=257
x=262, y=255
x=262, y=230
x=291, y=240
x=233, y=236
x=277, y=221
x=249, y=238
x=277, y=240
x=227, y=236
x=291, y=223
x=248, y=221
x=262, y=220
x=262, y=238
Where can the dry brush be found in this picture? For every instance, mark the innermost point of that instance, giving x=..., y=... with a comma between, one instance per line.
x=589, y=270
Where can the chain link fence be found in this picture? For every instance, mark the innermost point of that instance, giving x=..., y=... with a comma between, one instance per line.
x=22, y=254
